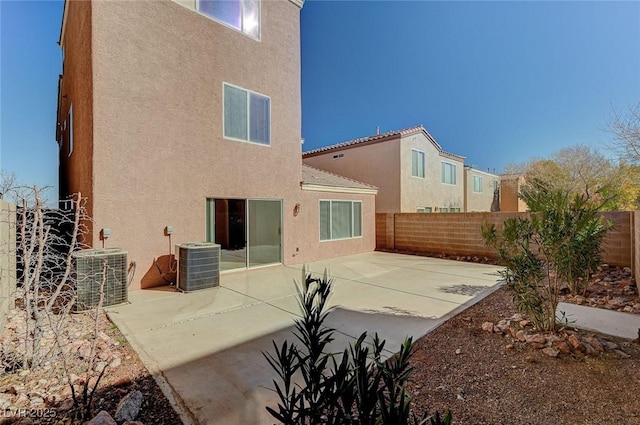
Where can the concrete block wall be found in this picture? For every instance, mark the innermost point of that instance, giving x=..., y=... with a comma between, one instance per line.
x=7, y=259
x=460, y=234
x=635, y=243
x=618, y=244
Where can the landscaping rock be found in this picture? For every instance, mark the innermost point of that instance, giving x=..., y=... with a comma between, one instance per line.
x=521, y=335
x=129, y=407
x=575, y=343
x=487, y=326
x=562, y=346
x=593, y=342
x=621, y=354
x=550, y=351
x=102, y=418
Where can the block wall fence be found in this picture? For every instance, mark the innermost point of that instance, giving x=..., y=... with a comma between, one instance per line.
x=7, y=259
x=459, y=234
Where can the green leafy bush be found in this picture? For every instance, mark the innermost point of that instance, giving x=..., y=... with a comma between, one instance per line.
x=559, y=243
x=354, y=387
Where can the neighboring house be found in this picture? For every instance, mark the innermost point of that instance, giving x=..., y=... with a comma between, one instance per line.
x=481, y=191
x=187, y=115
x=409, y=168
x=510, y=185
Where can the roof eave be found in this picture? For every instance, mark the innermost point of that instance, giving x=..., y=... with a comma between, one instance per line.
x=338, y=189
x=64, y=23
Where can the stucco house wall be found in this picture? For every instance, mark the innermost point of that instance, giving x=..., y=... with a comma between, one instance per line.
x=385, y=161
x=76, y=89
x=484, y=200
x=418, y=192
x=510, y=193
x=153, y=75
x=377, y=164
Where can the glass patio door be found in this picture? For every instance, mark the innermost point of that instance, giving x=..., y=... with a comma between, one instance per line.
x=249, y=231
x=264, y=229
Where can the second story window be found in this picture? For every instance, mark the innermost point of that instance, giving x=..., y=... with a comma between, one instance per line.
x=247, y=115
x=417, y=163
x=477, y=184
x=448, y=173
x=243, y=15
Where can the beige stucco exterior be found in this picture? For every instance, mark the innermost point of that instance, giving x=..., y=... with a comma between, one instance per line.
x=385, y=161
x=152, y=105
x=510, y=201
x=488, y=197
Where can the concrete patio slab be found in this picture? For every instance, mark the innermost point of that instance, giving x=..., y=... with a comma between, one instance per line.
x=206, y=347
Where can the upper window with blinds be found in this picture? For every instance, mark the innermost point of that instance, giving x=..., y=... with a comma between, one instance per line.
x=242, y=15
x=247, y=115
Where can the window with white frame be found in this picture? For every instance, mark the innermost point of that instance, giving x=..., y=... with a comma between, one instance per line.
x=477, y=184
x=247, y=115
x=424, y=209
x=242, y=15
x=340, y=219
x=70, y=120
x=448, y=173
x=417, y=163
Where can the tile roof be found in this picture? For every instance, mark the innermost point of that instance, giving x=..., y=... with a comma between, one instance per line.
x=390, y=135
x=317, y=177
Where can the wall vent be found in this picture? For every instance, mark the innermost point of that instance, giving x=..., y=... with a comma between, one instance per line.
x=198, y=266
x=90, y=272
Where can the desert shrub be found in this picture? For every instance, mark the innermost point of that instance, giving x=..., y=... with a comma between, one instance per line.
x=356, y=386
x=559, y=243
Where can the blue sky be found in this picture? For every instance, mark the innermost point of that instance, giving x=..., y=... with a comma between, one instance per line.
x=497, y=82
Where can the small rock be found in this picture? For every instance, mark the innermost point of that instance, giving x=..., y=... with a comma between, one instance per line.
x=458, y=351
x=66, y=404
x=36, y=402
x=621, y=354
x=593, y=342
x=102, y=418
x=610, y=345
x=628, y=309
x=589, y=350
x=84, y=350
x=487, y=326
x=579, y=299
x=574, y=342
x=525, y=323
x=521, y=335
x=509, y=347
x=140, y=423
x=536, y=339
x=550, y=351
x=129, y=407
x=115, y=363
x=562, y=346
x=530, y=359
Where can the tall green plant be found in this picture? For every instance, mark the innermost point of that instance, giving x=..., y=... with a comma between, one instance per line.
x=355, y=387
x=560, y=242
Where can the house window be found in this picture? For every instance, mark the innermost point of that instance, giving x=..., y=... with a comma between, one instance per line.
x=443, y=209
x=477, y=184
x=448, y=173
x=242, y=15
x=454, y=209
x=340, y=220
x=417, y=163
x=424, y=209
x=247, y=115
x=70, y=119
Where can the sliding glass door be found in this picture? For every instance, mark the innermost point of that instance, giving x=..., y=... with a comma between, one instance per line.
x=249, y=231
x=265, y=232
